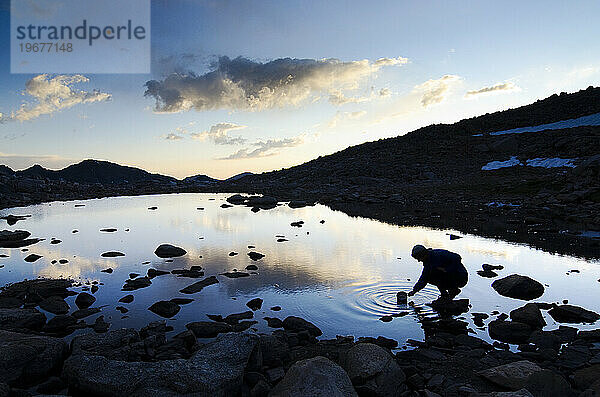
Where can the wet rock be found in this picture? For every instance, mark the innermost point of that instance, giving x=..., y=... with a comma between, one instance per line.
x=165, y=309
x=126, y=299
x=32, y=258
x=382, y=341
x=191, y=273
x=252, y=267
x=83, y=313
x=21, y=319
x=316, y=377
x=155, y=273
x=226, y=205
x=478, y=318
x=13, y=219
x=26, y=359
x=107, y=270
x=276, y=308
x=108, y=230
x=169, y=251
x=572, y=314
x=373, y=370
x=33, y=291
x=447, y=306
x=274, y=322
x=122, y=309
x=235, y=274
x=152, y=208
x=232, y=253
x=255, y=255
x=386, y=319
x=529, y=314
x=112, y=254
x=454, y=237
x=19, y=243
x=133, y=275
x=84, y=300
x=299, y=204
x=243, y=325
x=55, y=305
x=100, y=325
x=136, y=283
x=512, y=376
x=402, y=298
x=518, y=287
x=236, y=199
x=182, y=301
x=7, y=235
x=235, y=318
x=297, y=224
x=199, y=285
x=255, y=304
x=216, y=369
x=487, y=273
x=55, y=241
x=63, y=261
x=94, y=289
x=61, y=325
x=208, y=329
x=298, y=324
x=509, y=331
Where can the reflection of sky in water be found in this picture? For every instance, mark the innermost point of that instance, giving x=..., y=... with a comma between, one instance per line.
x=342, y=275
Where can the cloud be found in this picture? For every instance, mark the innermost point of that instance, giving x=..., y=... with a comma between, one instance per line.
x=498, y=87
x=338, y=98
x=172, y=137
x=52, y=95
x=243, y=84
x=340, y=116
x=436, y=91
x=264, y=148
x=218, y=133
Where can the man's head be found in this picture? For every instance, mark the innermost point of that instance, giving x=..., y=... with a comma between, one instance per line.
x=419, y=252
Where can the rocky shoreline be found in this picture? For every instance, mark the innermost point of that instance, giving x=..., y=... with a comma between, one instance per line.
x=224, y=356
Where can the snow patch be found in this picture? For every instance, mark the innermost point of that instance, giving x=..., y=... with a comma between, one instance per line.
x=553, y=162
x=592, y=119
x=494, y=165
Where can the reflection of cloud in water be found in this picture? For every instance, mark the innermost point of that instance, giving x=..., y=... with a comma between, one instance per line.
x=75, y=268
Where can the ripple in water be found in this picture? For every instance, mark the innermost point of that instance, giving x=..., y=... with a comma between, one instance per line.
x=379, y=299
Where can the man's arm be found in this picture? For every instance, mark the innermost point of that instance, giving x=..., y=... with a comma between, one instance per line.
x=422, y=282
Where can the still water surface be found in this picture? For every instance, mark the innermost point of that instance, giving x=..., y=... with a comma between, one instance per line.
x=342, y=274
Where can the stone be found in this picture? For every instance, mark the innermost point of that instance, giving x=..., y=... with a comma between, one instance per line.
x=529, y=314
x=108, y=230
x=315, y=377
x=255, y=255
x=27, y=359
x=402, y=298
x=509, y=331
x=55, y=305
x=235, y=274
x=208, y=329
x=22, y=319
x=112, y=254
x=84, y=300
x=215, y=369
x=136, y=283
x=52, y=385
x=255, y=304
x=107, y=270
x=169, y=251
x=83, y=313
x=546, y=383
x=572, y=314
x=60, y=325
x=518, y=287
x=165, y=309
x=236, y=317
x=182, y=301
x=373, y=370
x=448, y=306
x=32, y=258
x=38, y=289
x=199, y=285
x=126, y=299
x=297, y=324
x=586, y=377
x=7, y=235
x=252, y=267
x=274, y=322
x=100, y=326
x=155, y=273
x=512, y=376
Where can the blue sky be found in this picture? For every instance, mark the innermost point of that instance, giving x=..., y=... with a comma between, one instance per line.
x=438, y=62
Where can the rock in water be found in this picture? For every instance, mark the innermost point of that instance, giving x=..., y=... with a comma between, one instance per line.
x=402, y=298
x=165, y=309
x=199, y=285
x=112, y=254
x=215, y=369
x=32, y=258
x=55, y=305
x=255, y=304
x=373, y=370
x=18, y=319
x=208, y=329
x=25, y=359
x=84, y=300
x=315, y=377
x=126, y=299
x=518, y=287
x=136, y=283
x=7, y=235
x=529, y=314
x=512, y=376
x=255, y=255
x=298, y=324
x=169, y=251
x=572, y=314
x=509, y=331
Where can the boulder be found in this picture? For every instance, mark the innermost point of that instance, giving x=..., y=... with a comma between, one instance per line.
x=136, y=283
x=169, y=251
x=586, y=377
x=55, y=305
x=518, y=287
x=373, y=370
x=28, y=359
x=84, y=300
x=315, y=377
x=255, y=255
x=208, y=329
x=21, y=319
x=546, y=383
x=297, y=324
x=165, y=309
x=199, y=285
x=509, y=331
x=7, y=235
x=114, y=344
x=529, y=314
x=255, y=304
x=572, y=314
x=512, y=376
x=215, y=369
x=32, y=258
x=38, y=289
